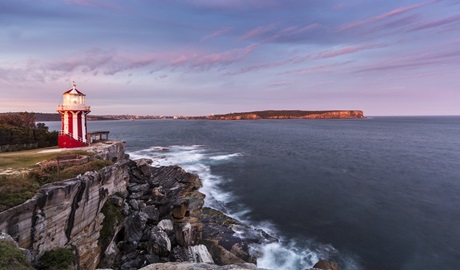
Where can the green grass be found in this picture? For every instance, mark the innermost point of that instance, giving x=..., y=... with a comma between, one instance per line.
x=29, y=158
x=18, y=188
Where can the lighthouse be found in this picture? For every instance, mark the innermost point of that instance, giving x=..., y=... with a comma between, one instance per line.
x=73, y=113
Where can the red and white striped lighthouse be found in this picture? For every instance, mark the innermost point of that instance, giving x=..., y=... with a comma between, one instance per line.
x=73, y=113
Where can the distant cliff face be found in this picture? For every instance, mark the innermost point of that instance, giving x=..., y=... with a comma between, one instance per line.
x=243, y=116
x=339, y=114
x=68, y=213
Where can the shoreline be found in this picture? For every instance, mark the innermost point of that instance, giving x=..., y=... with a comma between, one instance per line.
x=152, y=215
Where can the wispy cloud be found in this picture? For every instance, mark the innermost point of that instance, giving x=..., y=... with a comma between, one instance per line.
x=386, y=15
x=435, y=23
x=348, y=50
x=257, y=31
x=429, y=59
x=217, y=33
x=95, y=4
x=313, y=56
x=234, y=4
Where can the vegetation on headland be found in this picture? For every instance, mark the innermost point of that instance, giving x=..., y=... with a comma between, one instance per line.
x=21, y=177
x=285, y=114
x=20, y=131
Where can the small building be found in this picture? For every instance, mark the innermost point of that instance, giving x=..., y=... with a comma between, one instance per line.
x=73, y=113
x=98, y=136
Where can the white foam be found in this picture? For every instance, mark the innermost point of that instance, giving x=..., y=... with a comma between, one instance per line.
x=278, y=256
x=224, y=157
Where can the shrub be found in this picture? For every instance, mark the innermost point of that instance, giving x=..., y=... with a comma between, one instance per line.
x=15, y=190
x=113, y=217
x=12, y=258
x=58, y=259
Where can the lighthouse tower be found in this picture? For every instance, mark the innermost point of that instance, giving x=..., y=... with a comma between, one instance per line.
x=73, y=113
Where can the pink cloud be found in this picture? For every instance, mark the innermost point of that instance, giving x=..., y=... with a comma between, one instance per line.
x=257, y=31
x=348, y=50
x=325, y=54
x=441, y=22
x=217, y=33
x=290, y=32
x=95, y=4
x=420, y=60
x=234, y=4
x=281, y=83
x=386, y=15
x=297, y=29
x=225, y=57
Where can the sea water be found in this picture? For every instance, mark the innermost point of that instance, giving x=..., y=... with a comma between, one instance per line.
x=375, y=193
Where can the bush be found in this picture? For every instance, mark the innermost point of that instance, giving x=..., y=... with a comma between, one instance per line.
x=12, y=258
x=15, y=190
x=113, y=217
x=58, y=259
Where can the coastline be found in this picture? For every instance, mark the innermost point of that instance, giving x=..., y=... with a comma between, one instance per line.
x=152, y=215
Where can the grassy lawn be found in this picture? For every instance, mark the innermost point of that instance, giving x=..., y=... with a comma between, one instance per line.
x=20, y=177
x=28, y=158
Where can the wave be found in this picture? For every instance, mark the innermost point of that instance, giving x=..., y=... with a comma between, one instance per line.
x=285, y=254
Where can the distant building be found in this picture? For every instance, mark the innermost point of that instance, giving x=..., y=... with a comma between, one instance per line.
x=73, y=113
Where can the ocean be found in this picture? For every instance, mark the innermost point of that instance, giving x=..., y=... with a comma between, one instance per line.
x=375, y=193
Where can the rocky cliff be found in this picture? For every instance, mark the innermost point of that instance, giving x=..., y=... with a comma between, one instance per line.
x=67, y=213
x=293, y=114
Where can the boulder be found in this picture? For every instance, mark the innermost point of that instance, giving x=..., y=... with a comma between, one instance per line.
x=134, y=226
x=152, y=212
x=165, y=225
x=180, y=209
x=159, y=243
x=184, y=235
x=327, y=265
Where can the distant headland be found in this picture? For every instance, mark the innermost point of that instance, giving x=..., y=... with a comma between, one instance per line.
x=286, y=114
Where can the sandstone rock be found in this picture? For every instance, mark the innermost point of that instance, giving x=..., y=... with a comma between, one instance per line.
x=327, y=265
x=223, y=242
x=152, y=212
x=198, y=266
x=184, y=235
x=134, y=204
x=144, y=166
x=180, y=209
x=117, y=201
x=134, y=226
x=159, y=242
x=165, y=225
x=200, y=254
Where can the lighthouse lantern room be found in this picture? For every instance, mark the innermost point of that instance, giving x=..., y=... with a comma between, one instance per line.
x=73, y=113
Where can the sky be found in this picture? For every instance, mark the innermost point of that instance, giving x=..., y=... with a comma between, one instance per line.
x=202, y=57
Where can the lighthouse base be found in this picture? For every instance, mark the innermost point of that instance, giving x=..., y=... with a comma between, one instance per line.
x=65, y=141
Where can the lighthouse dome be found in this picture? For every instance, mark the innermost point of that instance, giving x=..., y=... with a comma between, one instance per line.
x=73, y=96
